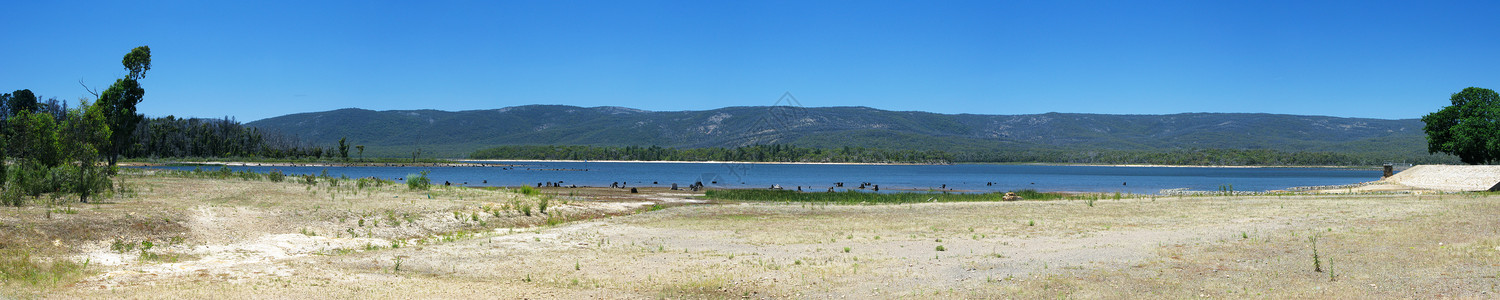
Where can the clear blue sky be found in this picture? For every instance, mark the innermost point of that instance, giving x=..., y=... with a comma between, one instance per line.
x=259, y=59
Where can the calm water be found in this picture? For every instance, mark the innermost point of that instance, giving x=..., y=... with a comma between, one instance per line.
x=971, y=177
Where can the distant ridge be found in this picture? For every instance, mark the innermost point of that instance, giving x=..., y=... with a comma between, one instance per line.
x=455, y=134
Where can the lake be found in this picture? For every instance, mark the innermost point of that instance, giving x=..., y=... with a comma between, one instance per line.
x=819, y=177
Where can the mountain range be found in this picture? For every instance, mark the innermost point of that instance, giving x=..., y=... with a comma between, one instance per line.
x=398, y=133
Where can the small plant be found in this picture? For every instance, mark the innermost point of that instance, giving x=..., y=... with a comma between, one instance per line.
x=847, y=249
x=1317, y=262
x=121, y=246
x=397, y=266
x=940, y=248
x=1090, y=202
x=275, y=175
x=474, y=216
x=523, y=208
x=309, y=180
x=541, y=205
x=1031, y=223
x=577, y=267
x=1244, y=235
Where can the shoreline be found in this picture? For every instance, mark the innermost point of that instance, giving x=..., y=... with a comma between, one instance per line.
x=697, y=162
x=317, y=164
x=1195, y=166
x=502, y=163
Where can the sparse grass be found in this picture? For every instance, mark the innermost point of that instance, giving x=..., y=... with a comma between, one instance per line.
x=18, y=265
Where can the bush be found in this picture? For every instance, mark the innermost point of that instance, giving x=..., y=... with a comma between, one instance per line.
x=541, y=206
x=418, y=181
x=275, y=175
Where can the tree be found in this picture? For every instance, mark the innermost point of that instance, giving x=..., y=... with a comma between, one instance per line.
x=1469, y=129
x=361, y=149
x=118, y=102
x=83, y=129
x=343, y=149
x=22, y=100
x=34, y=138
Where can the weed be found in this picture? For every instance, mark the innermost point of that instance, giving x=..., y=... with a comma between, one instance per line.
x=523, y=208
x=397, y=266
x=541, y=205
x=1031, y=223
x=121, y=246
x=847, y=249
x=577, y=266
x=940, y=248
x=1317, y=262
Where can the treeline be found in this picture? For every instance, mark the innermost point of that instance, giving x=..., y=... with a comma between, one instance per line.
x=172, y=137
x=757, y=153
x=53, y=149
x=1206, y=157
x=787, y=153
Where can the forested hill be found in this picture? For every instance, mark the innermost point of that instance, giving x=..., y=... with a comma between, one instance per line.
x=456, y=134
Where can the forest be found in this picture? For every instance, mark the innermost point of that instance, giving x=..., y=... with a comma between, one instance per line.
x=757, y=153
x=172, y=137
x=790, y=153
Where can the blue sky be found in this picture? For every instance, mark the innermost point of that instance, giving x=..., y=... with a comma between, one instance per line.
x=259, y=59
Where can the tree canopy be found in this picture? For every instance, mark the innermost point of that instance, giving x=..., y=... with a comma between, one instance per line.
x=1469, y=129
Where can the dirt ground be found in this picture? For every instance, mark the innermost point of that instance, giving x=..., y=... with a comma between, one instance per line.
x=233, y=238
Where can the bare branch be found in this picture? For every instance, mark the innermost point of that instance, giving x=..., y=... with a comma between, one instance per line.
x=86, y=88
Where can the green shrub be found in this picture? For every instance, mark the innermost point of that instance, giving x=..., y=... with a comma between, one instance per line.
x=418, y=181
x=275, y=175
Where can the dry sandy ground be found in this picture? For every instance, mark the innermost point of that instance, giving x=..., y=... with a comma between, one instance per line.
x=230, y=238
